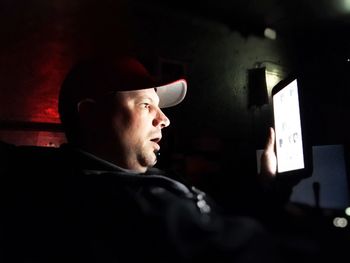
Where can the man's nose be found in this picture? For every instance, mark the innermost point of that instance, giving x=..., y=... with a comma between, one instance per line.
x=161, y=119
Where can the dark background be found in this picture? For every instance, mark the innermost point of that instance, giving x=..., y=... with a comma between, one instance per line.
x=214, y=44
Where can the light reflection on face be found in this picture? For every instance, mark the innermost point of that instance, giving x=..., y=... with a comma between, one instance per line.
x=136, y=122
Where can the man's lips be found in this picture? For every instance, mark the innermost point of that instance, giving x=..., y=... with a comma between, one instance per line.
x=156, y=141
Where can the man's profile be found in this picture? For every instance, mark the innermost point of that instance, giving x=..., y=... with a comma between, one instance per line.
x=99, y=198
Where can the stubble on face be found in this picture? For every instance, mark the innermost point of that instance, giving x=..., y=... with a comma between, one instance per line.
x=134, y=130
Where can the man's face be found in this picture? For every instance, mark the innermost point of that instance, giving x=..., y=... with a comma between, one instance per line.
x=136, y=124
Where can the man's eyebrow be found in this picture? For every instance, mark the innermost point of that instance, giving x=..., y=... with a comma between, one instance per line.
x=146, y=97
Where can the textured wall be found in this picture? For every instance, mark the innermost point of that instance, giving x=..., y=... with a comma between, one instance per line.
x=40, y=41
x=217, y=59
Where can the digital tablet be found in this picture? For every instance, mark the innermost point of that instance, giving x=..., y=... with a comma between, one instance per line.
x=292, y=148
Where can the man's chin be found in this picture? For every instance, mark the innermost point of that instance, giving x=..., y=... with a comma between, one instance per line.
x=150, y=160
x=153, y=163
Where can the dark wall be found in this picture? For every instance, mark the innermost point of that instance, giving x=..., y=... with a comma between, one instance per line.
x=217, y=60
x=41, y=40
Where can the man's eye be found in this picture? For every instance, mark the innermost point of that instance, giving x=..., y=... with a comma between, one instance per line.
x=146, y=105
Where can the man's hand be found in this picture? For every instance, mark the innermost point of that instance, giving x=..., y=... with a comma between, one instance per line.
x=268, y=157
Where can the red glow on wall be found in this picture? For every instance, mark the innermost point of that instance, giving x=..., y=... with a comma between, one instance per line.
x=50, y=72
x=40, y=41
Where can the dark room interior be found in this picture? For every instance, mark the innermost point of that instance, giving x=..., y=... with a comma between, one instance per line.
x=218, y=46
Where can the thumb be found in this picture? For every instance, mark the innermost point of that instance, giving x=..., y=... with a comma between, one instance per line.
x=270, y=144
x=268, y=158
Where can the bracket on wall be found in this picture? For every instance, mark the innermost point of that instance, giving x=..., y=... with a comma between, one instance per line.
x=257, y=88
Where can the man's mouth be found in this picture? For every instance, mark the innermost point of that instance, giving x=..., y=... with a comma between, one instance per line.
x=156, y=139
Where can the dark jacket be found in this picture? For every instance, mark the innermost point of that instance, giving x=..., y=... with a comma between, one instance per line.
x=60, y=205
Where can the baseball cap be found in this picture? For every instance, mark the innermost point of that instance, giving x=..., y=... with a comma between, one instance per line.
x=97, y=77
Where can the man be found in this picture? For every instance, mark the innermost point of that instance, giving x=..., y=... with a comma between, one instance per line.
x=99, y=199
x=119, y=120
x=111, y=112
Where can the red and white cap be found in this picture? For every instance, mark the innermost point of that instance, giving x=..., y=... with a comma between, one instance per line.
x=94, y=78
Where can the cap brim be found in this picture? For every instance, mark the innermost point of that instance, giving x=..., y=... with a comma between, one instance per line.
x=172, y=94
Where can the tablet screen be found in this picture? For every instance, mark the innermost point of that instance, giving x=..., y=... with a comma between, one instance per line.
x=289, y=144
